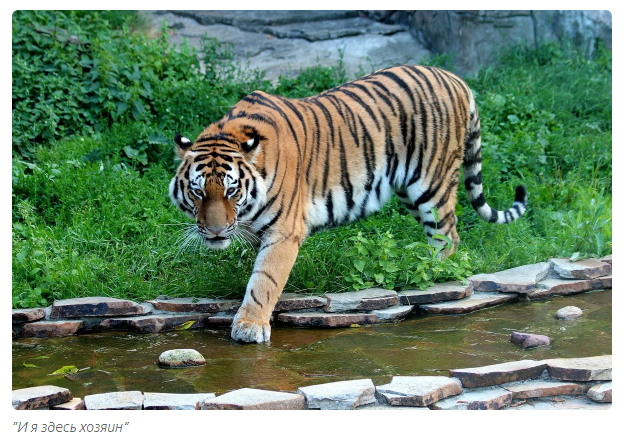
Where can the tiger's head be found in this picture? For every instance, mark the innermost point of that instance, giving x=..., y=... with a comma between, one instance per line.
x=217, y=182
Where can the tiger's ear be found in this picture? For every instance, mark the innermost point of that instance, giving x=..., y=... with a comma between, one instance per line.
x=182, y=144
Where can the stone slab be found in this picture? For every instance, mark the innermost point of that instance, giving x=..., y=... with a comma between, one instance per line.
x=470, y=304
x=127, y=400
x=499, y=373
x=607, y=259
x=418, y=391
x=289, y=302
x=549, y=287
x=601, y=393
x=94, y=306
x=153, y=323
x=198, y=305
x=543, y=388
x=220, y=320
x=180, y=358
x=392, y=314
x=254, y=399
x=342, y=395
x=51, y=329
x=39, y=397
x=581, y=369
x=529, y=340
x=74, y=404
x=162, y=401
x=439, y=292
x=367, y=299
x=332, y=29
x=27, y=315
x=478, y=399
x=581, y=269
x=522, y=279
x=322, y=319
x=558, y=403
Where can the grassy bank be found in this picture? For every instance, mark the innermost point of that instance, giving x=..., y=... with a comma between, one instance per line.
x=91, y=168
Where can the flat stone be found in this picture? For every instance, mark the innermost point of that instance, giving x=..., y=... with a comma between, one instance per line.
x=127, y=400
x=254, y=399
x=161, y=401
x=529, y=340
x=39, y=397
x=220, y=320
x=321, y=319
x=367, y=299
x=392, y=314
x=479, y=399
x=549, y=287
x=153, y=323
x=94, y=306
x=601, y=393
x=342, y=395
x=51, y=329
x=522, y=279
x=419, y=391
x=180, y=358
x=581, y=269
x=198, y=305
x=543, y=388
x=581, y=369
x=439, y=292
x=568, y=313
x=27, y=315
x=74, y=404
x=470, y=304
x=288, y=302
x=499, y=373
x=559, y=403
x=607, y=259
x=332, y=29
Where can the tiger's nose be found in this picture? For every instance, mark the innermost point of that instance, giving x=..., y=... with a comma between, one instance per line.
x=216, y=231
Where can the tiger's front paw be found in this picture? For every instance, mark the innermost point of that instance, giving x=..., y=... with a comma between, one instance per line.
x=246, y=330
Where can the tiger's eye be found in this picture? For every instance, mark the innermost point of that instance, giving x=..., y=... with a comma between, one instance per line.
x=231, y=191
x=199, y=193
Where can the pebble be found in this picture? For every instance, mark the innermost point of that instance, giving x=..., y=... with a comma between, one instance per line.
x=568, y=313
x=181, y=358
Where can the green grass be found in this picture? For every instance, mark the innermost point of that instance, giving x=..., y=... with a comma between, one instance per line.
x=91, y=215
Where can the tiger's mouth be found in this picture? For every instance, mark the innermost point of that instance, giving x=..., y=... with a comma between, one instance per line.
x=217, y=242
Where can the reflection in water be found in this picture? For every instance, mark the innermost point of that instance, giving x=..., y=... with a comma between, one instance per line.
x=421, y=345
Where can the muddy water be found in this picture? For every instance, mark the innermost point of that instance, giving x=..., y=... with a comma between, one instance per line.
x=421, y=345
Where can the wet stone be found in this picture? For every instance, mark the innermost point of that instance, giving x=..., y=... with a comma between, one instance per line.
x=322, y=319
x=254, y=399
x=368, y=299
x=581, y=269
x=162, y=401
x=601, y=393
x=74, y=404
x=478, y=399
x=470, y=304
x=392, y=314
x=419, y=391
x=27, y=315
x=342, y=395
x=94, y=306
x=522, y=279
x=153, y=323
x=51, y=329
x=198, y=305
x=288, y=302
x=549, y=287
x=128, y=400
x=499, y=373
x=39, y=397
x=437, y=293
x=180, y=358
x=529, y=340
x=220, y=320
x=543, y=388
x=568, y=313
x=581, y=369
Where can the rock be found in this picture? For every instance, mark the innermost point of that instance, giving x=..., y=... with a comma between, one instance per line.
x=368, y=299
x=479, y=399
x=288, y=302
x=529, y=340
x=198, y=305
x=220, y=320
x=254, y=399
x=607, y=259
x=419, y=391
x=434, y=294
x=153, y=323
x=127, y=400
x=558, y=403
x=543, y=388
x=161, y=401
x=74, y=404
x=499, y=373
x=392, y=314
x=549, y=287
x=601, y=393
x=522, y=279
x=334, y=29
x=470, y=304
x=581, y=369
x=568, y=313
x=342, y=395
x=39, y=396
x=51, y=329
x=581, y=269
x=255, y=21
x=94, y=306
x=180, y=358
x=321, y=319
x=27, y=315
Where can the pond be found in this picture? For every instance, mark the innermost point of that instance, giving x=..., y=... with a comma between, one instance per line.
x=420, y=345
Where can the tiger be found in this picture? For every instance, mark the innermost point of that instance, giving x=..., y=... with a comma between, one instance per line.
x=283, y=169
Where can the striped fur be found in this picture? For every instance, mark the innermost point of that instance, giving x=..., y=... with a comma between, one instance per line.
x=286, y=168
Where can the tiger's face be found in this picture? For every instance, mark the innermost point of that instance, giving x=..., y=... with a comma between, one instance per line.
x=217, y=183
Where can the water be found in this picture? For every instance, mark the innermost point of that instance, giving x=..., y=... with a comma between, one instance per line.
x=420, y=345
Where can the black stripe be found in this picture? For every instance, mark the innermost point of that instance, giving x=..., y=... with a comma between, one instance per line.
x=266, y=274
x=254, y=297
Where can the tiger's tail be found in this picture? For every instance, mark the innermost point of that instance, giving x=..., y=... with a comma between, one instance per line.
x=474, y=182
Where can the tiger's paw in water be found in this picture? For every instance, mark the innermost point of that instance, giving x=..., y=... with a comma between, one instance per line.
x=250, y=331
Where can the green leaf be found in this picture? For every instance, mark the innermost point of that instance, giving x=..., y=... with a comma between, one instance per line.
x=65, y=370
x=359, y=265
x=184, y=326
x=30, y=365
x=575, y=256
